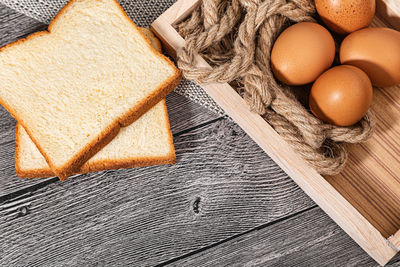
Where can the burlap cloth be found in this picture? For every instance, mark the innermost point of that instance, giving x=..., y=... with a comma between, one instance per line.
x=142, y=12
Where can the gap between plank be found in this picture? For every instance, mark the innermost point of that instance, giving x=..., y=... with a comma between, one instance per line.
x=235, y=236
x=27, y=190
x=55, y=179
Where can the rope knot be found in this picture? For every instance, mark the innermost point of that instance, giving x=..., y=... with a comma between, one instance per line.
x=236, y=38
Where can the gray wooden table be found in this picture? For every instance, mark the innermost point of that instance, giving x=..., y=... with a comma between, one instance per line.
x=225, y=203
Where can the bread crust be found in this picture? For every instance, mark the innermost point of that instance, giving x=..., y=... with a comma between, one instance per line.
x=32, y=173
x=73, y=165
x=154, y=42
x=103, y=164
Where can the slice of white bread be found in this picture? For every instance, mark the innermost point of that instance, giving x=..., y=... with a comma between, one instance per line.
x=147, y=141
x=73, y=87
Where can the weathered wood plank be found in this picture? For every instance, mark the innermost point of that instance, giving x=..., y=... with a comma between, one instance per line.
x=307, y=239
x=222, y=185
x=373, y=173
x=185, y=114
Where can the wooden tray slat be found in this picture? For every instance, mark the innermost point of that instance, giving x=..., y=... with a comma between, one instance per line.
x=395, y=240
x=362, y=200
x=388, y=10
x=371, y=182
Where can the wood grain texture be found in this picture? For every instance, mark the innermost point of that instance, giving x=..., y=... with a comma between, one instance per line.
x=371, y=182
x=395, y=240
x=154, y=214
x=222, y=185
x=307, y=239
x=185, y=114
x=389, y=10
x=370, y=225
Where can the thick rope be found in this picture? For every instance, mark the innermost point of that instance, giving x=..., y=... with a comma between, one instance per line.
x=236, y=38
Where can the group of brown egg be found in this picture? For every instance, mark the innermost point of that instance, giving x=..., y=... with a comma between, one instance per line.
x=304, y=53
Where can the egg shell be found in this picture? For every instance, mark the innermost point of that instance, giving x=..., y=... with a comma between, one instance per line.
x=341, y=96
x=376, y=51
x=301, y=53
x=346, y=16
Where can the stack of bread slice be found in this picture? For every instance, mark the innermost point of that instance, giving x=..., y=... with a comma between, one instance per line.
x=88, y=94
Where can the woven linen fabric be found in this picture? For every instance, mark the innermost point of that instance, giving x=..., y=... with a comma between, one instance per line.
x=142, y=12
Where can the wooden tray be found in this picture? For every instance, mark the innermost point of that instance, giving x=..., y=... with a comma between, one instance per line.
x=365, y=198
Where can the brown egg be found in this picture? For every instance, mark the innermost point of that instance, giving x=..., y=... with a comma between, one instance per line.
x=376, y=51
x=346, y=16
x=341, y=96
x=301, y=53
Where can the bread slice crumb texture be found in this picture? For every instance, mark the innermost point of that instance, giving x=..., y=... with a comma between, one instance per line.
x=71, y=87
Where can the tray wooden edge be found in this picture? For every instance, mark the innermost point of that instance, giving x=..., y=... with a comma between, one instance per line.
x=388, y=10
x=395, y=240
x=382, y=250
